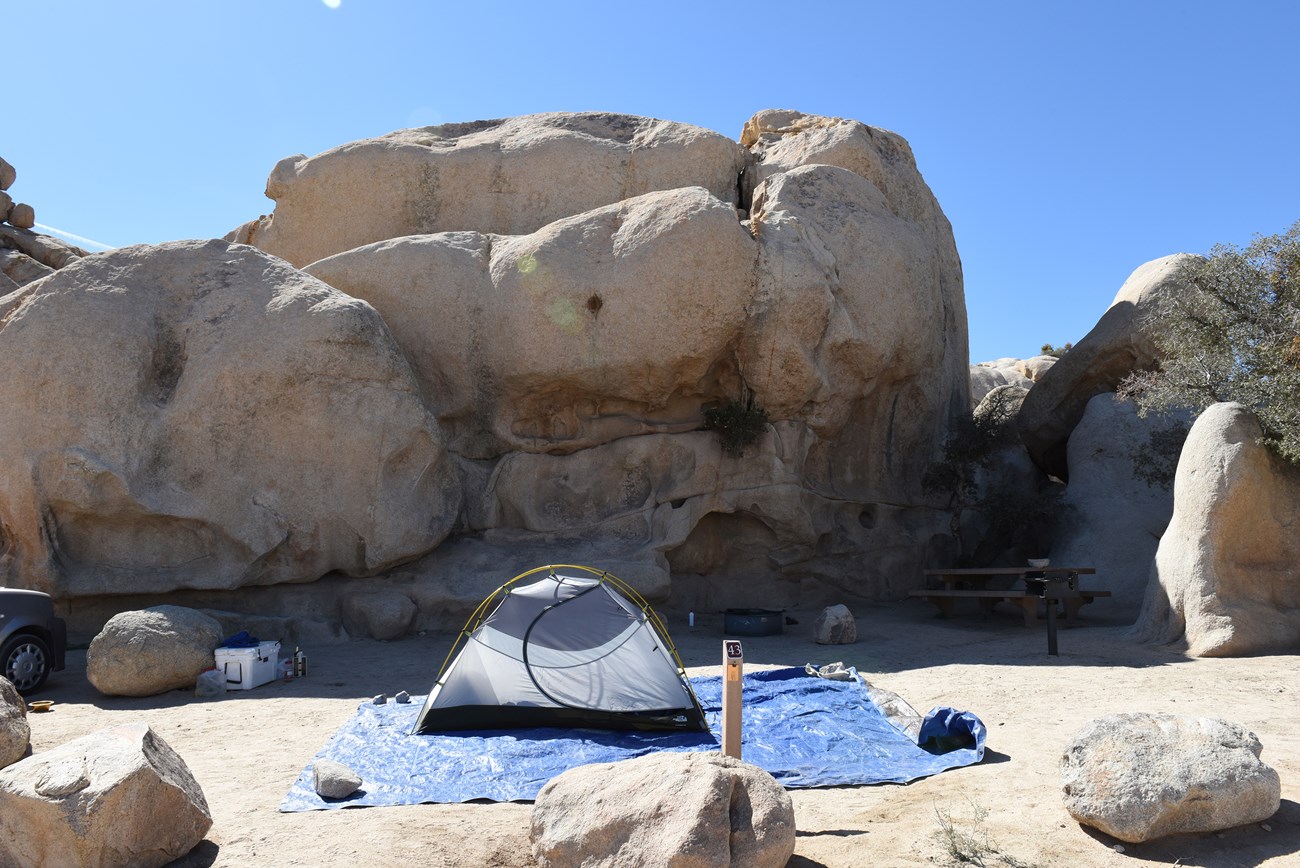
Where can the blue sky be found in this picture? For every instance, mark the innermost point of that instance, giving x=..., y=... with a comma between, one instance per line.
x=1067, y=143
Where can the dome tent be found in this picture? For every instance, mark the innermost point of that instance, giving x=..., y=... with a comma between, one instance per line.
x=565, y=650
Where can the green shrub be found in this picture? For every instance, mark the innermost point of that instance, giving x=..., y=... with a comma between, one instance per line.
x=738, y=424
x=1234, y=335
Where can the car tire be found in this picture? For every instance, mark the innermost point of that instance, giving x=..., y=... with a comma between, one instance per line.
x=25, y=660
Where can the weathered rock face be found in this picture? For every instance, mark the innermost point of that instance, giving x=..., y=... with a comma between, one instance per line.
x=570, y=367
x=1142, y=776
x=1117, y=345
x=781, y=140
x=1113, y=519
x=604, y=325
x=987, y=376
x=508, y=176
x=684, y=809
x=26, y=257
x=15, y=732
x=120, y=796
x=212, y=419
x=1226, y=578
x=144, y=653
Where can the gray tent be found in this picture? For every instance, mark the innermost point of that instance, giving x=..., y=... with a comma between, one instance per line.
x=565, y=650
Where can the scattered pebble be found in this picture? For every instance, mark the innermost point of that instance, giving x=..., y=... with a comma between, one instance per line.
x=1266, y=827
x=1119, y=848
x=403, y=697
x=381, y=699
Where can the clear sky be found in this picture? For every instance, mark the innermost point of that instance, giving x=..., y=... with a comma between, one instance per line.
x=1068, y=143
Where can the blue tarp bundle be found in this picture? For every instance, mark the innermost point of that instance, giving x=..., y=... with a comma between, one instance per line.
x=806, y=731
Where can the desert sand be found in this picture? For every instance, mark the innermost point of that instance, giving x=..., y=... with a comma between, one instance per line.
x=247, y=748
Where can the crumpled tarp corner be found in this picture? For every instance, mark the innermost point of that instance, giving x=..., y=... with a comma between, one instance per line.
x=804, y=730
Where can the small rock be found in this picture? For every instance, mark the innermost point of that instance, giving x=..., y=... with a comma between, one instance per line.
x=1118, y=848
x=333, y=780
x=7, y=174
x=403, y=697
x=1266, y=827
x=6, y=203
x=22, y=215
x=380, y=699
x=835, y=626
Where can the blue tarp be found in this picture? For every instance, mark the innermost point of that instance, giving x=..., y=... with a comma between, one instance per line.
x=806, y=731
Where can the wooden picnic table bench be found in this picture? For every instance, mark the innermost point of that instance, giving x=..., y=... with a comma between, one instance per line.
x=1061, y=587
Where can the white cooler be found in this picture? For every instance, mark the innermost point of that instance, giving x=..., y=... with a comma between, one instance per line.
x=247, y=668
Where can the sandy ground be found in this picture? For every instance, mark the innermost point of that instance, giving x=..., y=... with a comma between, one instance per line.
x=247, y=748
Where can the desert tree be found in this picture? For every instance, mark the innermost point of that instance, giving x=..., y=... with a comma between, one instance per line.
x=1233, y=335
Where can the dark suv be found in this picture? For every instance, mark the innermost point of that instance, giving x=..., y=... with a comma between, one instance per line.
x=32, y=639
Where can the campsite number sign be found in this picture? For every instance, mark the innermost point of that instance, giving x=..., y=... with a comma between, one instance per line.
x=733, y=659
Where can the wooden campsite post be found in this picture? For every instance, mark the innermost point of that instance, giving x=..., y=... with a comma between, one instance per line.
x=733, y=663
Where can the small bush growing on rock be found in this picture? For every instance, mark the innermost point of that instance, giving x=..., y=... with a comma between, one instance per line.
x=970, y=472
x=1056, y=352
x=738, y=423
x=1156, y=461
x=1234, y=336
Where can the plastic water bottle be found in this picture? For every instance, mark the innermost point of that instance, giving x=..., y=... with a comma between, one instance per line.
x=690, y=620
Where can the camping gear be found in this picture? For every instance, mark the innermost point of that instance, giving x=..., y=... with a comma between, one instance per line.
x=211, y=682
x=575, y=648
x=806, y=731
x=752, y=622
x=249, y=667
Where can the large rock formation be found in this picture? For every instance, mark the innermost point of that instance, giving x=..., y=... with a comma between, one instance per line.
x=1118, y=344
x=1112, y=519
x=201, y=415
x=570, y=367
x=121, y=796
x=568, y=294
x=687, y=809
x=1143, y=776
x=508, y=176
x=1226, y=578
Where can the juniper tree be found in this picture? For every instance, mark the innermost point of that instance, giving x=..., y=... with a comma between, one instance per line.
x=1234, y=335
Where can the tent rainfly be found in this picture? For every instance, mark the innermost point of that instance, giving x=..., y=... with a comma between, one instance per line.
x=567, y=651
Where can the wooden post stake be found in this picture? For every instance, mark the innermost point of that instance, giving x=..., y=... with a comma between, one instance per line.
x=733, y=662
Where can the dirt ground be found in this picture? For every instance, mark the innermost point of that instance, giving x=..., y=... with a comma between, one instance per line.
x=247, y=748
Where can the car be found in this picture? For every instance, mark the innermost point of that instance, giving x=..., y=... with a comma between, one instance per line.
x=33, y=641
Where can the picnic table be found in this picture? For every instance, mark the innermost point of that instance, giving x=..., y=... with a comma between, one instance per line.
x=1056, y=585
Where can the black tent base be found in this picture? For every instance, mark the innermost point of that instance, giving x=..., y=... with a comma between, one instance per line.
x=489, y=717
